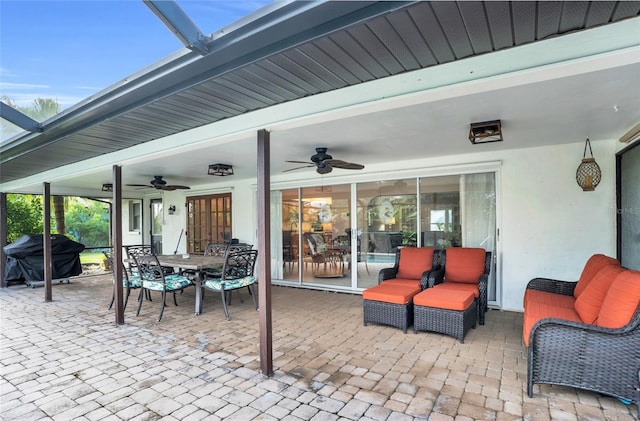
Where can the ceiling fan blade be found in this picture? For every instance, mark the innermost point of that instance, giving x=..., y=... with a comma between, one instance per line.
x=138, y=185
x=298, y=168
x=337, y=163
x=301, y=162
x=172, y=187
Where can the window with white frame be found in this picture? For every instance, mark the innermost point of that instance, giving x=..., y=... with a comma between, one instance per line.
x=135, y=215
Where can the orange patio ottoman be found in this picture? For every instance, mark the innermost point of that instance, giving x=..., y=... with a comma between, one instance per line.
x=390, y=305
x=445, y=311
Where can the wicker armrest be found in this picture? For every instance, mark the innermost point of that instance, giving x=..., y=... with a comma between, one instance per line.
x=585, y=356
x=552, y=285
x=387, y=273
x=435, y=277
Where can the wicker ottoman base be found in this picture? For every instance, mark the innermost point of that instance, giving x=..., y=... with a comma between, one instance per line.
x=454, y=323
x=396, y=315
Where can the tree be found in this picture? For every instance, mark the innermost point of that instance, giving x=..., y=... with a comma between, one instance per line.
x=88, y=221
x=40, y=110
x=24, y=215
x=58, y=213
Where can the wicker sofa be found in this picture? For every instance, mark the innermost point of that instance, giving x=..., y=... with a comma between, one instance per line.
x=586, y=334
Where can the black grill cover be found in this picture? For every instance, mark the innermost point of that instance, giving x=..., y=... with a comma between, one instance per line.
x=25, y=258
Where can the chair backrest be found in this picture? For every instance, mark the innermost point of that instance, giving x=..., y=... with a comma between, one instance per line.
x=414, y=261
x=149, y=268
x=216, y=249
x=465, y=264
x=240, y=247
x=316, y=243
x=135, y=251
x=239, y=264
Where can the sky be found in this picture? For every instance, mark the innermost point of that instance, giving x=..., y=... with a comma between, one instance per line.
x=69, y=50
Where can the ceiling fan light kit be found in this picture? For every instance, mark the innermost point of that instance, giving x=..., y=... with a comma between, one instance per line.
x=221, y=170
x=485, y=132
x=325, y=163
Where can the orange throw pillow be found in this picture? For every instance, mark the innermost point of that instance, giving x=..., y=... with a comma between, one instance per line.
x=414, y=261
x=464, y=264
x=589, y=302
x=622, y=300
x=593, y=266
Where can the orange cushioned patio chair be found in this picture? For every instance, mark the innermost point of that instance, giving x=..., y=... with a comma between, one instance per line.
x=413, y=267
x=466, y=269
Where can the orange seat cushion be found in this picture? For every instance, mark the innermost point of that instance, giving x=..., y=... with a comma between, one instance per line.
x=539, y=310
x=394, y=294
x=460, y=288
x=414, y=261
x=414, y=283
x=594, y=265
x=464, y=264
x=444, y=298
x=621, y=301
x=555, y=300
x=590, y=300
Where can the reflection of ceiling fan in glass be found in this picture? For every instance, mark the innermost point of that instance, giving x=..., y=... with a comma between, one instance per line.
x=325, y=163
x=159, y=184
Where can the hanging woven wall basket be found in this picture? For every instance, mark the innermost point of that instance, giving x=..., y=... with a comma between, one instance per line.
x=588, y=174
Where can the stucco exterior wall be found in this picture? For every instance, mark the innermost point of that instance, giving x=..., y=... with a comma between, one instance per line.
x=548, y=226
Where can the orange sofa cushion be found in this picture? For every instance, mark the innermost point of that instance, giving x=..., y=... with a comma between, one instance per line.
x=621, y=301
x=394, y=294
x=444, y=298
x=464, y=264
x=414, y=283
x=590, y=300
x=550, y=298
x=594, y=265
x=540, y=310
x=414, y=261
x=460, y=288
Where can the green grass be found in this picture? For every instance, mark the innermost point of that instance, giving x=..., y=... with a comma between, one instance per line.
x=91, y=257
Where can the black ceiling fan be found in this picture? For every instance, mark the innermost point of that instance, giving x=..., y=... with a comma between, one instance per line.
x=159, y=184
x=325, y=163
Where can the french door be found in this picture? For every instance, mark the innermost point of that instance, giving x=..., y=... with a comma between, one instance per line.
x=208, y=221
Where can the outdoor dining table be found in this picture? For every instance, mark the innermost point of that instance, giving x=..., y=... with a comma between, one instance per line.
x=197, y=263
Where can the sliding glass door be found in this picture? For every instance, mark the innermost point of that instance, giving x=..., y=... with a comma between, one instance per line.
x=323, y=245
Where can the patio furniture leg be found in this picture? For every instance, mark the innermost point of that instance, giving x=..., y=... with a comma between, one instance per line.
x=140, y=299
x=250, y=288
x=224, y=303
x=164, y=304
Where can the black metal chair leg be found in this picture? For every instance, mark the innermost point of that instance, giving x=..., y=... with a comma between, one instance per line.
x=163, y=304
x=126, y=298
x=140, y=299
x=224, y=303
x=255, y=303
x=174, y=299
x=113, y=298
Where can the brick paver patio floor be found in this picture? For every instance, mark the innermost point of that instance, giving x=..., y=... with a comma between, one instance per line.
x=67, y=360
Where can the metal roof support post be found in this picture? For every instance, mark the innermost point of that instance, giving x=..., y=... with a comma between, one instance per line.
x=3, y=238
x=116, y=253
x=264, y=253
x=46, y=239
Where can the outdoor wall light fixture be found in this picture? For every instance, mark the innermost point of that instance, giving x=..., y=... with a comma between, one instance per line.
x=485, y=132
x=172, y=209
x=221, y=170
x=107, y=187
x=588, y=174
